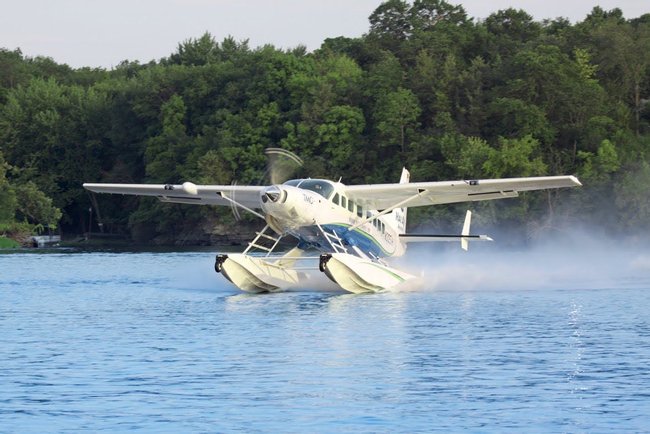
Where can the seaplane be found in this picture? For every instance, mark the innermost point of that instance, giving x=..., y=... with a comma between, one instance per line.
x=348, y=232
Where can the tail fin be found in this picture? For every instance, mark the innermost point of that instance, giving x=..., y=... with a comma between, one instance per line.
x=398, y=215
x=464, y=242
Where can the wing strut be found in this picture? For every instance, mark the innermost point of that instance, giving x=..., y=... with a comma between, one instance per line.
x=223, y=196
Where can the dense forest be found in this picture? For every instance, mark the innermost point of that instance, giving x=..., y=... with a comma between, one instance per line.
x=427, y=87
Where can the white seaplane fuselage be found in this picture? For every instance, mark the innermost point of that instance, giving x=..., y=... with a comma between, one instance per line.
x=311, y=208
x=351, y=238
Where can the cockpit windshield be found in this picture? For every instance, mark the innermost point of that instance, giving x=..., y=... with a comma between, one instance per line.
x=320, y=186
x=293, y=182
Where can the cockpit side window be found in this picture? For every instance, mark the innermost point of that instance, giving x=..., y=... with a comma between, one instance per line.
x=335, y=199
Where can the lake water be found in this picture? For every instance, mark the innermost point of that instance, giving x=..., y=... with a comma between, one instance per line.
x=147, y=342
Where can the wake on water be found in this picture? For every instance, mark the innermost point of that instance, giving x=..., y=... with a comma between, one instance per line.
x=576, y=261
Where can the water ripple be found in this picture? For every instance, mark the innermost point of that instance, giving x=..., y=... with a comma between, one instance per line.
x=124, y=342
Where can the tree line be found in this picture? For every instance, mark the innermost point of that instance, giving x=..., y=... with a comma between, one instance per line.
x=427, y=87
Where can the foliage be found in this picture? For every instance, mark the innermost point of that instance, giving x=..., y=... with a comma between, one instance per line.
x=8, y=243
x=396, y=116
x=23, y=207
x=35, y=206
x=18, y=231
x=8, y=201
x=426, y=87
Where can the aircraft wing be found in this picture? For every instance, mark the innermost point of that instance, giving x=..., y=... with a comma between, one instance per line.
x=187, y=192
x=383, y=196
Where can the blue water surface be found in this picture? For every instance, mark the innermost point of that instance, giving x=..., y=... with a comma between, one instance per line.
x=120, y=342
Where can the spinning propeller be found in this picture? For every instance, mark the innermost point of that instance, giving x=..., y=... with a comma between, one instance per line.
x=280, y=166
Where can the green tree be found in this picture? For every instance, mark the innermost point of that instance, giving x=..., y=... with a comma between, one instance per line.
x=385, y=75
x=36, y=207
x=13, y=71
x=512, y=117
x=425, y=15
x=340, y=136
x=206, y=50
x=555, y=83
x=397, y=117
x=390, y=24
x=55, y=135
x=509, y=30
x=330, y=80
x=435, y=80
x=623, y=56
x=598, y=167
x=466, y=155
x=167, y=151
x=8, y=201
x=515, y=158
x=471, y=96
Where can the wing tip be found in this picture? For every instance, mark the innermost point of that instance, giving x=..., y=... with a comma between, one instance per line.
x=575, y=181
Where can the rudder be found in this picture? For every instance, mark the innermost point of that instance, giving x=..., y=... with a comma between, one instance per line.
x=398, y=215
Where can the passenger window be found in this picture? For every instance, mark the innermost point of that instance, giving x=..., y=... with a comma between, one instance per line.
x=344, y=201
x=359, y=210
x=350, y=206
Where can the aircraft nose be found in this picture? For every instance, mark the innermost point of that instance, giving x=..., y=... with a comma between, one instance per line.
x=272, y=194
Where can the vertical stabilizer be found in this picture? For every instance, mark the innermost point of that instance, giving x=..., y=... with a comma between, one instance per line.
x=464, y=242
x=398, y=215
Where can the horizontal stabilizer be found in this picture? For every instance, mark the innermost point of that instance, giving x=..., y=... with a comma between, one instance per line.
x=464, y=237
x=427, y=238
